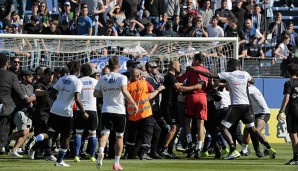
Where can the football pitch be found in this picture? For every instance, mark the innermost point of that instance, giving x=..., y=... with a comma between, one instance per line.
x=248, y=163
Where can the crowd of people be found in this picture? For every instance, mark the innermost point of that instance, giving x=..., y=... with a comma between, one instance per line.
x=141, y=109
x=250, y=20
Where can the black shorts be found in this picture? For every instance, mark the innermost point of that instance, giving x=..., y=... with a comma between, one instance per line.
x=90, y=124
x=236, y=113
x=263, y=116
x=113, y=121
x=170, y=114
x=292, y=119
x=61, y=124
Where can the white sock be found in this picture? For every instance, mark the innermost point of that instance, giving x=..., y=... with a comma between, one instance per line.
x=117, y=159
x=101, y=150
x=200, y=145
x=39, y=137
x=189, y=138
x=244, y=148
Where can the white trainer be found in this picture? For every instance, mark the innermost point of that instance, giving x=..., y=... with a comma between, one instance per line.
x=14, y=154
x=233, y=155
x=51, y=158
x=61, y=164
x=99, y=161
x=31, y=154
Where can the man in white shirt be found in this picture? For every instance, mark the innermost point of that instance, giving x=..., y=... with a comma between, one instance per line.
x=112, y=88
x=213, y=29
x=61, y=121
x=90, y=123
x=240, y=107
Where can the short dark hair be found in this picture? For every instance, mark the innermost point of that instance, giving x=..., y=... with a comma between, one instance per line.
x=86, y=70
x=3, y=60
x=233, y=63
x=74, y=66
x=113, y=62
x=200, y=57
x=292, y=69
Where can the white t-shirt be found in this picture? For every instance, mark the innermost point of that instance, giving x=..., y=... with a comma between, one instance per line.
x=87, y=98
x=237, y=82
x=113, y=98
x=257, y=100
x=66, y=87
x=225, y=99
x=215, y=32
x=284, y=50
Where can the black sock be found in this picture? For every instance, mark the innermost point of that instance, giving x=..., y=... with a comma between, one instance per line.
x=266, y=144
x=232, y=147
x=295, y=156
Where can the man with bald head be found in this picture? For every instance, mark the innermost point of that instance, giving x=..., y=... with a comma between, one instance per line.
x=140, y=123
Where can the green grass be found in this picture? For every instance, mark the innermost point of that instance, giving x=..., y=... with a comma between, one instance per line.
x=249, y=163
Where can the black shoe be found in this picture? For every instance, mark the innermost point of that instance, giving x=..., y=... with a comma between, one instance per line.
x=173, y=156
x=260, y=154
x=292, y=162
x=266, y=152
x=145, y=157
x=190, y=150
x=197, y=154
x=155, y=155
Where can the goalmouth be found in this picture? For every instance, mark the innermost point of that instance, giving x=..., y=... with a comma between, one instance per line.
x=57, y=50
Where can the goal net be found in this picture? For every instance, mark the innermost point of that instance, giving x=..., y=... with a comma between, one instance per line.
x=56, y=51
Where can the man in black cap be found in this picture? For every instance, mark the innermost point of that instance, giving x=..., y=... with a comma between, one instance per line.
x=8, y=82
x=23, y=116
x=130, y=64
x=33, y=27
x=44, y=103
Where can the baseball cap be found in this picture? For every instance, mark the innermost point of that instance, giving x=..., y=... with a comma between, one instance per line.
x=151, y=65
x=34, y=18
x=26, y=72
x=48, y=71
x=67, y=3
x=131, y=63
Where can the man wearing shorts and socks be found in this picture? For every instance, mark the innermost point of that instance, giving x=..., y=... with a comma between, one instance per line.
x=112, y=88
x=240, y=108
x=90, y=123
x=262, y=116
x=290, y=106
x=196, y=104
x=61, y=121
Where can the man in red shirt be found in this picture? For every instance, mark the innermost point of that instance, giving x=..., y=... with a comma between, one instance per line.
x=196, y=103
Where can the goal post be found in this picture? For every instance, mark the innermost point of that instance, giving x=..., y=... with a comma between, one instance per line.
x=57, y=50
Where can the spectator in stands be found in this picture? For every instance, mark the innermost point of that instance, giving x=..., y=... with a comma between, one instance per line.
x=74, y=4
x=52, y=45
x=23, y=116
x=239, y=13
x=293, y=44
x=269, y=12
x=130, y=7
x=223, y=14
x=249, y=4
x=118, y=16
x=34, y=9
x=207, y=13
x=96, y=13
x=66, y=15
x=198, y=29
x=171, y=7
x=232, y=30
x=252, y=49
x=8, y=83
x=249, y=30
x=20, y=5
x=15, y=19
x=213, y=29
x=33, y=27
x=153, y=6
x=177, y=27
x=169, y=30
x=282, y=51
x=85, y=23
x=44, y=14
x=276, y=28
x=149, y=30
x=289, y=3
x=258, y=19
x=161, y=24
x=135, y=28
x=64, y=29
